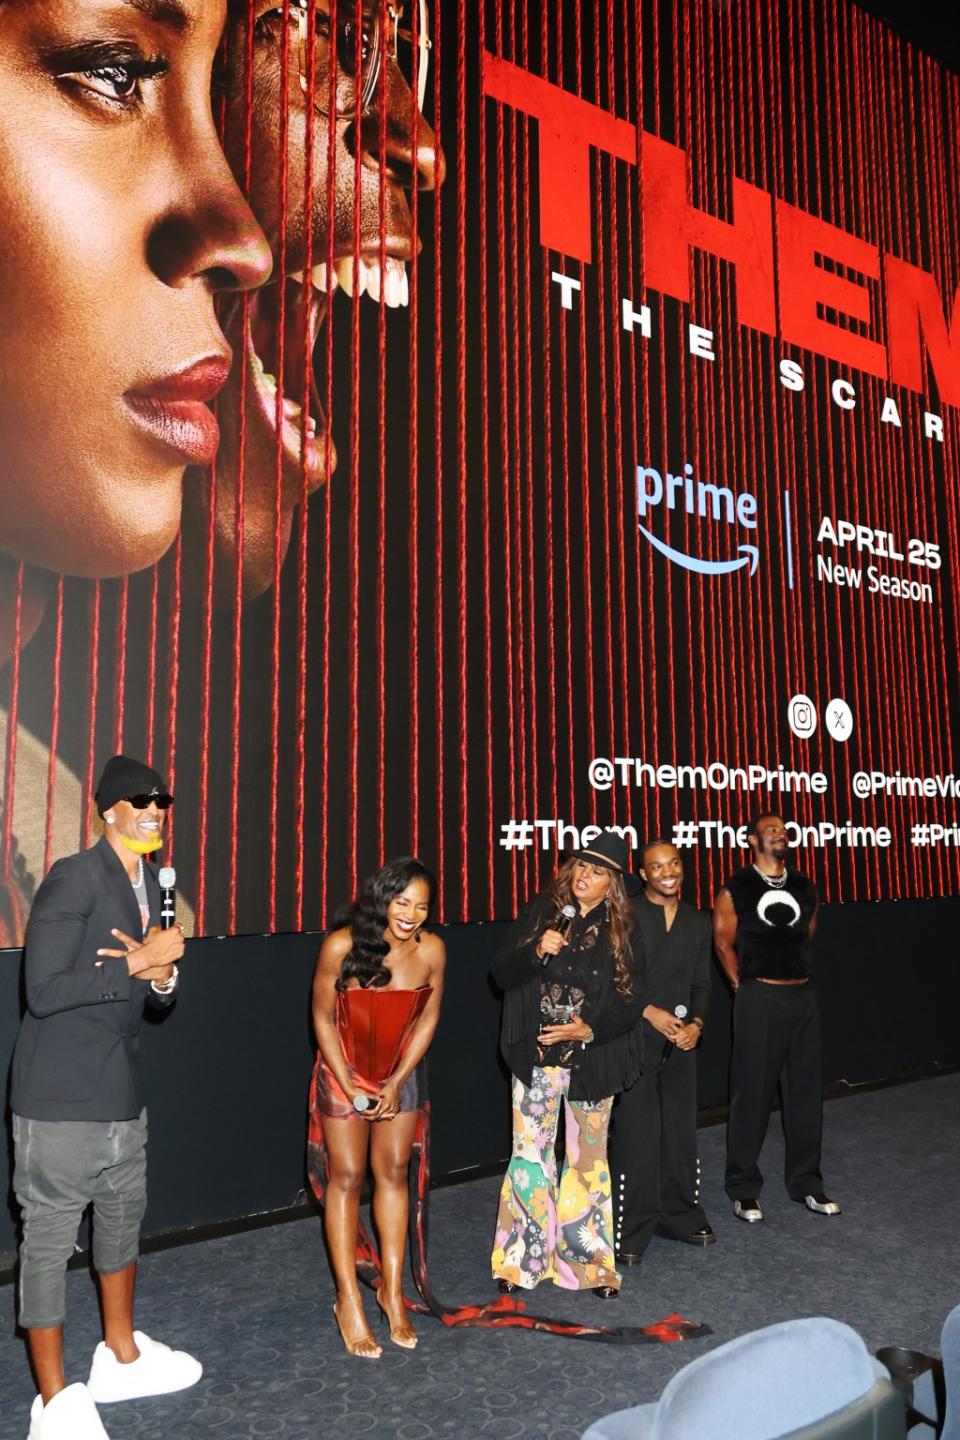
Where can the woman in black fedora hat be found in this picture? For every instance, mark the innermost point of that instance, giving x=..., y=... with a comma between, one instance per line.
x=571, y=972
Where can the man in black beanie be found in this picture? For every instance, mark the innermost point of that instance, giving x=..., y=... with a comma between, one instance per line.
x=95, y=955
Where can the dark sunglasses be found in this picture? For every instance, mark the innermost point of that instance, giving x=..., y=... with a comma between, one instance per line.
x=143, y=802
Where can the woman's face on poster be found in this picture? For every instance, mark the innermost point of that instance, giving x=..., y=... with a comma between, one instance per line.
x=121, y=223
x=320, y=179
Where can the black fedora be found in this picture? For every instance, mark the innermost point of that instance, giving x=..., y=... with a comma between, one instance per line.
x=612, y=851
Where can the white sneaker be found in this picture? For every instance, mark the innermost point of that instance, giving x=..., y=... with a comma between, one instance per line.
x=71, y=1415
x=748, y=1210
x=158, y=1371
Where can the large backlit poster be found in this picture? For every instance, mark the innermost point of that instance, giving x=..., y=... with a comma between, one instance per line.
x=586, y=380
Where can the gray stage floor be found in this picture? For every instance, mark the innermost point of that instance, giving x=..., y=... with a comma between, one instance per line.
x=256, y=1308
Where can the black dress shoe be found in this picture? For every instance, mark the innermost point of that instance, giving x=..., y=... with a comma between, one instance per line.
x=705, y=1236
x=506, y=1287
x=605, y=1292
x=629, y=1257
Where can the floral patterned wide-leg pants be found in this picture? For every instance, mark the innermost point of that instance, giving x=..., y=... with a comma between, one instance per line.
x=544, y=1232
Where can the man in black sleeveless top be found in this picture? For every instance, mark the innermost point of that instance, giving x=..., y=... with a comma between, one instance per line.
x=763, y=924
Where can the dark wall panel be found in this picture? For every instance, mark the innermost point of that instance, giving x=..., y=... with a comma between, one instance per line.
x=227, y=1070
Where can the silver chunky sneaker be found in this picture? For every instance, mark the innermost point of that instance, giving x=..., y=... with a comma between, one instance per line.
x=821, y=1205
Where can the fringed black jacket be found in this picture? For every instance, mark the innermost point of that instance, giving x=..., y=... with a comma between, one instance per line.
x=613, y=1060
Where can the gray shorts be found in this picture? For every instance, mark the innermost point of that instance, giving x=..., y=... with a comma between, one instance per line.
x=60, y=1167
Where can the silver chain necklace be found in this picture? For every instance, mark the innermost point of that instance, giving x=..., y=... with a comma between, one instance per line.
x=777, y=882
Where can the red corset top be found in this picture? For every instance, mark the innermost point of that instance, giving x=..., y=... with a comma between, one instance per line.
x=374, y=1028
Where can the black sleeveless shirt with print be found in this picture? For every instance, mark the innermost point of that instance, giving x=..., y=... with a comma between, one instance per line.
x=773, y=925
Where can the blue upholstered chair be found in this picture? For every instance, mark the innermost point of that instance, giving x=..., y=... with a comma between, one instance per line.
x=806, y=1379
x=935, y=1392
x=950, y=1350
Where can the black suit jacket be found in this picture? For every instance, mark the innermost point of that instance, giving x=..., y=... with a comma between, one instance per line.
x=76, y=1052
x=678, y=973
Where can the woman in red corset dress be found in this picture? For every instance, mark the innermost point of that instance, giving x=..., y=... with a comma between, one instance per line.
x=376, y=1001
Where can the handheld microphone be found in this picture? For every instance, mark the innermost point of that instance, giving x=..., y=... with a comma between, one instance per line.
x=168, y=900
x=362, y=1103
x=562, y=925
x=566, y=918
x=668, y=1046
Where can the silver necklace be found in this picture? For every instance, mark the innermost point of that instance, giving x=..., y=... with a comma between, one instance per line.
x=777, y=882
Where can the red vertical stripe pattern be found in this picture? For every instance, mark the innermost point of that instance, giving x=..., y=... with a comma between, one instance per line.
x=467, y=612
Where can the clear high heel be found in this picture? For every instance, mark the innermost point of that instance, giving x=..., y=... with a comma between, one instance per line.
x=365, y=1347
x=407, y=1339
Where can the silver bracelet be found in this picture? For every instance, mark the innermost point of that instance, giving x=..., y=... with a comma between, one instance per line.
x=168, y=986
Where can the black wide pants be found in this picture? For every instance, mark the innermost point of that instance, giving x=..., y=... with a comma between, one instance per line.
x=776, y=1037
x=653, y=1149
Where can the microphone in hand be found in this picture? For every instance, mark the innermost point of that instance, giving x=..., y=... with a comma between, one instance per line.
x=561, y=927
x=680, y=1011
x=167, y=878
x=566, y=918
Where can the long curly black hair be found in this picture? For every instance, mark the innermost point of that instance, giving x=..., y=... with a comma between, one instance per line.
x=366, y=919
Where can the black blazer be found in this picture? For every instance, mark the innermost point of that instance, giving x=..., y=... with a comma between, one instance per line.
x=679, y=973
x=76, y=1052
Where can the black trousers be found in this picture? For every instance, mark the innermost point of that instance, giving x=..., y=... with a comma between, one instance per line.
x=776, y=1037
x=653, y=1149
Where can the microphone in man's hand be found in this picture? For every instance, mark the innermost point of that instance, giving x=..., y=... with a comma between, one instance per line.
x=562, y=926
x=167, y=877
x=669, y=1045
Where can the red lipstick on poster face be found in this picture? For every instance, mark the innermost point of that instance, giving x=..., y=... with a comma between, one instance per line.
x=173, y=409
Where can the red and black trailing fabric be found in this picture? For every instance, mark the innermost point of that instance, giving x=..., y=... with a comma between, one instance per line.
x=504, y=1313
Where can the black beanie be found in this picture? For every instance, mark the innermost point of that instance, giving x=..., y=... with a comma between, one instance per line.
x=122, y=777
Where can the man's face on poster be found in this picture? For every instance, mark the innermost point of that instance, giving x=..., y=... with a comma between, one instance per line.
x=323, y=131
